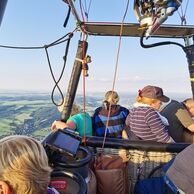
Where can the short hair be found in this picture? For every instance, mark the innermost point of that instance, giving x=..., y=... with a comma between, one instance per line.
x=112, y=97
x=145, y=100
x=75, y=108
x=24, y=165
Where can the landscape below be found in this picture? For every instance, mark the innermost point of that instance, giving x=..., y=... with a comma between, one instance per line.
x=33, y=113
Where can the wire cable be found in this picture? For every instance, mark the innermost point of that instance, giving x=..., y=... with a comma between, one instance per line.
x=157, y=44
x=115, y=73
x=54, y=43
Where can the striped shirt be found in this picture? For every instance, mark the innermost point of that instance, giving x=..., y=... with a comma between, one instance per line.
x=115, y=122
x=146, y=124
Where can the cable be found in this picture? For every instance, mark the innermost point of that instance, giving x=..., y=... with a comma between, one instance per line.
x=67, y=17
x=115, y=73
x=57, y=82
x=157, y=44
x=56, y=42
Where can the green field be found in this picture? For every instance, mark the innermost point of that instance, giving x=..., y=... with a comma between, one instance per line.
x=27, y=115
x=5, y=127
x=32, y=114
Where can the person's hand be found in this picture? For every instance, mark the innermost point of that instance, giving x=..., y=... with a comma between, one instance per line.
x=124, y=134
x=58, y=125
x=125, y=157
x=54, y=126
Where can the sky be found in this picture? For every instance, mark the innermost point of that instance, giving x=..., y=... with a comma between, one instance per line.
x=40, y=22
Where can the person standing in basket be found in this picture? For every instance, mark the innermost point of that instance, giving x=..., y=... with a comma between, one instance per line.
x=144, y=120
x=110, y=115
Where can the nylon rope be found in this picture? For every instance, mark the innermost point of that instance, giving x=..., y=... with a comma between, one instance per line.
x=84, y=86
x=83, y=79
x=83, y=73
x=45, y=47
x=115, y=72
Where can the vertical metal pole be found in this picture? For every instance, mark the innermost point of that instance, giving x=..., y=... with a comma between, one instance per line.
x=2, y=9
x=189, y=50
x=74, y=80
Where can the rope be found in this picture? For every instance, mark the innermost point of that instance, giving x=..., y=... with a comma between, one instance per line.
x=115, y=73
x=54, y=43
x=84, y=10
x=57, y=82
x=84, y=39
x=183, y=15
x=83, y=71
x=81, y=9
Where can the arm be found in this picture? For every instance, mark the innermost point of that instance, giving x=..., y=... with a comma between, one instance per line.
x=58, y=125
x=157, y=127
x=185, y=119
x=71, y=124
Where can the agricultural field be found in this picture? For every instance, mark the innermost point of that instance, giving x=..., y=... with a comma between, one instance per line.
x=27, y=115
x=32, y=114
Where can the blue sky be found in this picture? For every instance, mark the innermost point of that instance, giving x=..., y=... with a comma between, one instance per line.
x=39, y=22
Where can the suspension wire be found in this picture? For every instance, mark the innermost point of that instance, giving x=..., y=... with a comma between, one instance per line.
x=53, y=77
x=115, y=73
x=84, y=37
x=84, y=87
x=186, y=7
x=61, y=74
x=84, y=5
x=83, y=76
x=21, y=47
x=181, y=9
x=86, y=10
x=90, y=3
x=183, y=14
x=81, y=9
x=56, y=42
x=38, y=47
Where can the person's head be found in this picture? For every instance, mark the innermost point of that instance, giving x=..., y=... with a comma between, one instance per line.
x=24, y=166
x=153, y=96
x=75, y=108
x=189, y=103
x=111, y=97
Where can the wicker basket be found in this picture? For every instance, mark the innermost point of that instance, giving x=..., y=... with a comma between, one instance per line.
x=141, y=163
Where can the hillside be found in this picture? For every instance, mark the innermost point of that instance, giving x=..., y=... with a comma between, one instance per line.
x=32, y=114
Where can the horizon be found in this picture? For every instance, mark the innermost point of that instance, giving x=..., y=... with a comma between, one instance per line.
x=173, y=95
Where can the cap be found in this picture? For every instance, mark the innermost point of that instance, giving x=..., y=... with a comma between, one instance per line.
x=154, y=92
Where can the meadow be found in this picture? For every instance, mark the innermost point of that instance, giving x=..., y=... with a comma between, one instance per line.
x=33, y=114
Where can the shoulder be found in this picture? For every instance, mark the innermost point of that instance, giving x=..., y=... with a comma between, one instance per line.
x=124, y=109
x=97, y=110
x=75, y=117
x=100, y=111
x=150, y=112
x=174, y=104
